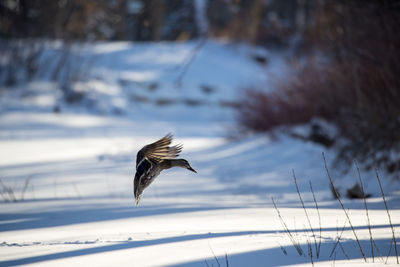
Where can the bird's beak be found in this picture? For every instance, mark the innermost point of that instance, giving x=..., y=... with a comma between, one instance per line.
x=191, y=169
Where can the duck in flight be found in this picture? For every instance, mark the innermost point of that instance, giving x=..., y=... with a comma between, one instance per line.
x=154, y=158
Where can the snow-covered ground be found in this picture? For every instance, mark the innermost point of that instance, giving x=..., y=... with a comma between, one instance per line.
x=71, y=172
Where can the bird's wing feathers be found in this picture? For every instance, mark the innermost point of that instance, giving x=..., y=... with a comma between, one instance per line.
x=160, y=150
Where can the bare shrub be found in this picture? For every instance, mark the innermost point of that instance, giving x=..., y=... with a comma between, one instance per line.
x=262, y=111
x=354, y=82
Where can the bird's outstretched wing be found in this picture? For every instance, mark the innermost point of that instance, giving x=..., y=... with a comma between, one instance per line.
x=159, y=150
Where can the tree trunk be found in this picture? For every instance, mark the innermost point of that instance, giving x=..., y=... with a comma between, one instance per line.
x=157, y=18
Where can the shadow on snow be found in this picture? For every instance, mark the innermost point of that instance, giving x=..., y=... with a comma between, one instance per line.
x=264, y=257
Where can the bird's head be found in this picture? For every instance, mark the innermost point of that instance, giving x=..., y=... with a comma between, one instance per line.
x=184, y=164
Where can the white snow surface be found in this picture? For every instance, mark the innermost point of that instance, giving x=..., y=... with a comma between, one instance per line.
x=71, y=173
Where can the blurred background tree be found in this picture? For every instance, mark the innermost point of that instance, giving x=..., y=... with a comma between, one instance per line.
x=256, y=21
x=344, y=67
x=63, y=19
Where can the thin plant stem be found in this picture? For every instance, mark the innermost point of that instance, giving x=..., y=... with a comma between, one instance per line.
x=341, y=204
x=24, y=188
x=387, y=211
x=310, y=252
x=295, y=244
x=366, y=210
x=390, y=251
x=379, y=252
x=334, y=259
x=388, y=214
x=319, y=220
x=305, y=211
x=215, y=257
x=338, y=238
x=343, y=250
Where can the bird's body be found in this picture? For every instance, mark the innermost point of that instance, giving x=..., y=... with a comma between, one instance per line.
x=154, y=158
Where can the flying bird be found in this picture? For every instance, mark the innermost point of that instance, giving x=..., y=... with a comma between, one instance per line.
x=154, y=158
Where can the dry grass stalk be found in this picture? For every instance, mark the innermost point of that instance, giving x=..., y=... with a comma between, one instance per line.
x=387, y=211
x=305, y=211
x=319, y=220
x=343, y=250
x=26, y=183
x=310, y=252
x=366, y=210
x=334, y=260
x=215, y=257
x=344, y=210
x=378, y=250
x=295, y=244
x=339, y=236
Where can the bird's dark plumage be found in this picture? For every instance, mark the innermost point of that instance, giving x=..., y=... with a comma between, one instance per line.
x=154, y=158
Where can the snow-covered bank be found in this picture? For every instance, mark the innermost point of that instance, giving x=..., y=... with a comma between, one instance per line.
x=71, y=172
